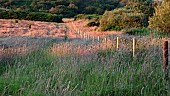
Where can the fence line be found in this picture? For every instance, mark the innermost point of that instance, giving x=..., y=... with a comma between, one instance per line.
x=134, y=42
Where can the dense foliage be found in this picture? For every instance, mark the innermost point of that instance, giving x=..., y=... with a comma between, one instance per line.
x=131, y=16
x=68, y=8
x=122, y=18
x=161, y=20
x=36, y=16
x=84, y=16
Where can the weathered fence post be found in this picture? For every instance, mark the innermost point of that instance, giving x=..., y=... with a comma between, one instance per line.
x=134, y=43
x=105, y=41
x=117, y=43
x=84, y=35
x=98, y=38
x=93, y=39
x=165, y=65
x=165, y=55
x=151, y=37
x=87, y=36
x=81, y=35
x=66, y=35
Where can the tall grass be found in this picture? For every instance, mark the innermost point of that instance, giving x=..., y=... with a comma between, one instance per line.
x=86, y=70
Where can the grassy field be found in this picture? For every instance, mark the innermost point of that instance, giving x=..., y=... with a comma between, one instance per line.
x=85, y=68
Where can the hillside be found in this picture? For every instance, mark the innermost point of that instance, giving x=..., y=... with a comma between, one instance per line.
x=67, y=8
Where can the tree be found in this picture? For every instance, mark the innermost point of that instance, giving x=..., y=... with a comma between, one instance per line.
x=160, y=19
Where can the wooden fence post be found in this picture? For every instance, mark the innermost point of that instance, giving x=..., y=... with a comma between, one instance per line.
x=165, y=55
x=81, y=35
x=84, y=35
x=151, y=37
x=117, y=43
x=98, y=38
x=165, y=65
x=134, y=43
x=88, y=36
x=105, y=41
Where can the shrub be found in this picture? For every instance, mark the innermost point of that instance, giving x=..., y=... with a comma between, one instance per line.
x=122, y=18
x=65, y=11
x=36, y=16
x=84, y=16
x=146, y=32
x=29, y=25
x=138, y=31
x=114, y=27
x=11, y=14
x=160, y=19
x=142, y=7
x=16, y=21
x=40, y=16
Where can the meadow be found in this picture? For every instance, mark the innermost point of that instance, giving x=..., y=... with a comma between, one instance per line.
x=71, y=49
x=84, y=67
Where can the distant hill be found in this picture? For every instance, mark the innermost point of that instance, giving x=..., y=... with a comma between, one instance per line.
x=55, y=10
x=67, y=8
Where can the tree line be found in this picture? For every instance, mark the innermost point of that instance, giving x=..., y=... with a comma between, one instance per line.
x=129, y=13
x=67, y=8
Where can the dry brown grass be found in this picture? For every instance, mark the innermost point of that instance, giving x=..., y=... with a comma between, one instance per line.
x=11, y=47
x=38, y=29
x=73, y=29
x=8, y=53
x=80, y=26
x=9, y=27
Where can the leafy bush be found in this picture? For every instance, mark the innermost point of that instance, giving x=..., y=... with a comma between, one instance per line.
x=65, y=11
x=146, y=32
x=40, y=16
x=159, y=34
x=84, y=16
x=161, y=20
x=114, y=27
x=138, y=31
x=36, y=16
x=16, y=21
x=141, y=7
x=123, y=18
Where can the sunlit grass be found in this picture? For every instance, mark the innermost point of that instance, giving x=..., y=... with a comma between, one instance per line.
x=92, y=69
